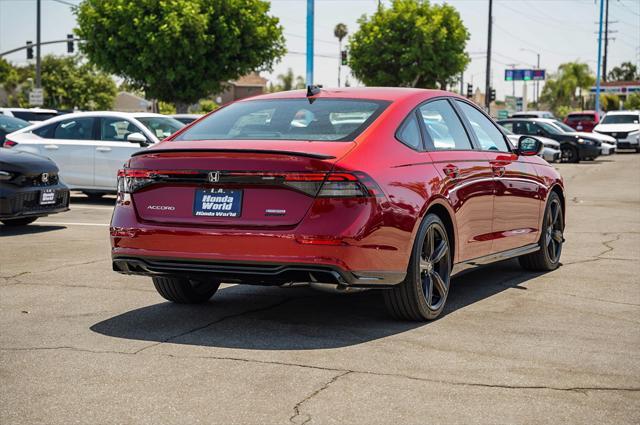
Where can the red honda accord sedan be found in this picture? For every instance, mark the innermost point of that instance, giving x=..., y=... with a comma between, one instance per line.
x=362, y=188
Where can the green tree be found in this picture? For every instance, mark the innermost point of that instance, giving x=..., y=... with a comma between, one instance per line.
x=412, y=43
x=567, y=86
x=67, y=82
x=609, y=102
x=625, y=72
x=288, y=81
x=632, y=102
x=179, y=50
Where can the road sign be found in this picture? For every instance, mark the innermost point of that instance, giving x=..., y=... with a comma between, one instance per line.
x=524, y=74
x=36, y=97
x=503, y=114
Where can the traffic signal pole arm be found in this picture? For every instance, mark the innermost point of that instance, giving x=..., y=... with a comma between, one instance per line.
x=26, y=46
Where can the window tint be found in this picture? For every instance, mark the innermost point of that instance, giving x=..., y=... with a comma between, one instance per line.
x=287, y=119
x=11, y=124
x=74, y=129
x=46, y=131
x=620, y=119
x=508, y=126
x=116, y=129
x=161, y=127
x=443, y=126
x=580, y=117
x=490, y=138
x=34, y=116
x=409, y=133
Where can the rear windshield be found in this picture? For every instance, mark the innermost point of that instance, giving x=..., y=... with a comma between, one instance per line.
x=11, y=124
x=580, y=117
x=33, y=116
x=288, y=119
x=620, y=119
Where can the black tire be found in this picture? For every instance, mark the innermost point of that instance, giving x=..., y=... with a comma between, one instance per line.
x=19, y=221
x=185, y=291
x=638, y=150
x=547, y=258
x=423, y=293
x=569, y=154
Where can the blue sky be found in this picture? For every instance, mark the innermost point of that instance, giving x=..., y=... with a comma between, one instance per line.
x=560, y=30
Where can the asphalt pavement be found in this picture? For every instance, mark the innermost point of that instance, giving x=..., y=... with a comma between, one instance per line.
x=82, y=344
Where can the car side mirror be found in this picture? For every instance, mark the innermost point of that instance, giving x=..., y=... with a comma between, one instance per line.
x=138, y=138
x=529, y=146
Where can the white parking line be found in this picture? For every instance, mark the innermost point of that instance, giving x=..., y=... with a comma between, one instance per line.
x=61, y=223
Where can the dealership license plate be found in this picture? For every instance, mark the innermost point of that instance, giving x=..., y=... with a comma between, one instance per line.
x=218, y=203
x=47, y=197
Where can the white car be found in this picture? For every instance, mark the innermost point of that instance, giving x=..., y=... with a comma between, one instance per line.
x=608, y=143
x=624, y=126
x=33, y=115
x=90, y=147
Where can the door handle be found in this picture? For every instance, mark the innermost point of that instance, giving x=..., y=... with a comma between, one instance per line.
x=451, y=171
x=103, y=149
x=51, y=147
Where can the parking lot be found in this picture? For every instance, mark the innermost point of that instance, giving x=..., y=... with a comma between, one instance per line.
x=82, y=344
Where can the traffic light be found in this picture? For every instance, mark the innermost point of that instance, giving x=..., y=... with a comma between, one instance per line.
x=492, y=94
x=69, y=43
x=343, y=57
x=29, y=50
x=469, y=90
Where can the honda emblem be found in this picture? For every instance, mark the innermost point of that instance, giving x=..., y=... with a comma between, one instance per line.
x=213, y=177
x=45, y=177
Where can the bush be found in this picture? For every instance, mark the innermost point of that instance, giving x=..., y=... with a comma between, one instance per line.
x=633, y=101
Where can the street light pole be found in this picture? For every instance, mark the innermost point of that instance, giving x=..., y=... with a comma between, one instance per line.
x=599, y=58
x=38, y=76
x=487, y=85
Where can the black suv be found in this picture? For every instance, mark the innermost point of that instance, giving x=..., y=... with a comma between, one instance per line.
x=574, y=147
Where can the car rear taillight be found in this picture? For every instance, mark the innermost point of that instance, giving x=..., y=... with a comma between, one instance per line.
x=320, y=184
x=334, y=185
x=9, y=143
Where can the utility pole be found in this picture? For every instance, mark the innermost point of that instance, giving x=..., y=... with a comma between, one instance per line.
x=599, y=57
x=462, y=83
x=310, y=35
x=487, y=85
x=537, y=82
x=606, y=40
x=38, y=76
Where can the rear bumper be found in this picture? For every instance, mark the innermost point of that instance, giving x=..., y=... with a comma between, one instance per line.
x=254, y=273
x=25, y=202
x=343, y=242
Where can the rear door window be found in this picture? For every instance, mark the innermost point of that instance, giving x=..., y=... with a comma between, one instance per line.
x=444, y=128
x=75, y=129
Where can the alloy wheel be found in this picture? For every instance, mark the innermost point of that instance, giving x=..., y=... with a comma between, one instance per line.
x=435, y=267
x=554, y=228
x=568, y=154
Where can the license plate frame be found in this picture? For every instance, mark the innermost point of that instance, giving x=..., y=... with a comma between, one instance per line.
x=47, y=197
x=218, y=203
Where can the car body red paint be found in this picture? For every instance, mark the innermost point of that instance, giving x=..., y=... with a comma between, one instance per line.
x=493, y=203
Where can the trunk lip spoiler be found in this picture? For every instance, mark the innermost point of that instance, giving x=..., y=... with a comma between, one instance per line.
x=222, y=150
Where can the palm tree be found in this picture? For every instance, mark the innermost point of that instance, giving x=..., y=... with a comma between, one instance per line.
x=340, y=32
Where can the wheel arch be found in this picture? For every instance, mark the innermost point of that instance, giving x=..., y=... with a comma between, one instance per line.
x=560, y=192
x=443, y=210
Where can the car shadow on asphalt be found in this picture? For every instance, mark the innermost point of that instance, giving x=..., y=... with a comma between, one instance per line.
x=78, y=198
x=28, y=230
x=271, y=318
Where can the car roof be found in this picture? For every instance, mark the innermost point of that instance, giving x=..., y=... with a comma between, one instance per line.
x=185, y=115
x=35, y=110
x=631, y=112
x=100, y=114
x=370, y=93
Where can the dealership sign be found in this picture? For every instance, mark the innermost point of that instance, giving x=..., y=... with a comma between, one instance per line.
x=618, y=88
x=524, y=74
